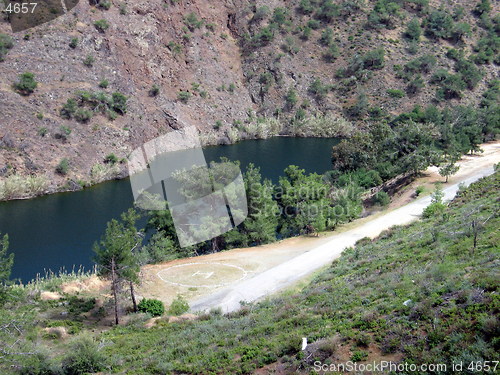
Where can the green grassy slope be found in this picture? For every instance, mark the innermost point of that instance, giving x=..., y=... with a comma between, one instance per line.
x=417, y=294
x=355, y=309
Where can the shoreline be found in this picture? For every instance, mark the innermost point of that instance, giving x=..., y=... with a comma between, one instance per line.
x=259, y=259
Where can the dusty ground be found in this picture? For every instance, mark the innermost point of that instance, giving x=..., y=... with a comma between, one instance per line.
x=215, y=274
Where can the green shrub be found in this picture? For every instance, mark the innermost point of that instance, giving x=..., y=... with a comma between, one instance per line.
x=318, y=89
x=192, y=21
x=384, y=14
x=264, y=36
x=83, y=115
x=314, y=24
x=382, y=198
x=89, y=61
x=101, y=25
x=73, y=43
x=413, y=30
x=38, y=363
x=42, y=131
x=279, y=16
x=359, y=355
x=111, y=158
x=326, y=37
x=291, y=98
x=73, y=327
x=104, y=4
x=422, y=64
x=6, y=43
x=394, y=93
x=119, y=103
x=178, y=306
x=261, y=13
x=26, y=84
x=305, y=7
x=104, y=84
x=470, y=74
x=433, y=210
x=374, y=59
x=331, y=54
x=415, y=85
x=483, y=7
x=439, y=24
x=68, y=109
x=328, y=11
x=452, y=85
x=419, y=190
x=152, y=306
x=83, y=357
x=63, y=167
x=183, y=96
x=360, y=107
x=154, y=90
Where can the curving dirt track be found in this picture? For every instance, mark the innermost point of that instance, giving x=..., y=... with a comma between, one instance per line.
x=269, y=268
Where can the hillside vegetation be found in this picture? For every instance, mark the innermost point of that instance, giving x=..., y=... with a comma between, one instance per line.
x=423, y=293
x=110, y=75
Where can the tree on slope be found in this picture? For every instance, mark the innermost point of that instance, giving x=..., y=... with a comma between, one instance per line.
x=115, y=258
x=6, y=262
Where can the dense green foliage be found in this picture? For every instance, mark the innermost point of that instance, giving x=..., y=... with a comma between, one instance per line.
x=6, y=43
x=448, y=286
x=427, y=293
x=26, y=84
x=411, y=142
x=151, y=306
x=63, y=167
x=299, y=203
x=178, y=306
x=84, y=105
x=6, y=263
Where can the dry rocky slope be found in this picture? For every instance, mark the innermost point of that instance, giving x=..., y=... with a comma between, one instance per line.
x=217, y=53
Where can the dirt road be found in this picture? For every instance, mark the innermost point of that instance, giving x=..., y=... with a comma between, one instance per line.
x=263, y=270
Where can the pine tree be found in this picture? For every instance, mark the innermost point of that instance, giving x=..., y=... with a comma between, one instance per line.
x=115, y=258
x=6, y=262
x=260, y=225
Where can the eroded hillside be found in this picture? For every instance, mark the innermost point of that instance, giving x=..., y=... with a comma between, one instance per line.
x=113, y=74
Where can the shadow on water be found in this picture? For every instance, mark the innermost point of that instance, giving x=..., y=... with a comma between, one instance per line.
x=59, y=230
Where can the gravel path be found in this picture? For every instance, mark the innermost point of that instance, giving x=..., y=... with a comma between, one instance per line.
x=285, y=274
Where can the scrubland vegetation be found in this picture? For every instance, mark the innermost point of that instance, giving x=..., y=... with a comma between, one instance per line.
x=423, y=293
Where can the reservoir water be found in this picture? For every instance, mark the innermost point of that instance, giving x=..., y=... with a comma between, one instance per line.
x=57, y=231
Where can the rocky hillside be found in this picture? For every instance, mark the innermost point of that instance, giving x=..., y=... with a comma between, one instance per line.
x=110, y=75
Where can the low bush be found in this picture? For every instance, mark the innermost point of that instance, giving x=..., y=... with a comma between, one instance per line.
x=101, y=25
x=6, y=43
x=26, y=84
x=63, y=167
x=89, y=61
x=83, y=357
x=183, y=96
x=73, y=43
x=152, y=306
x=394, y=93
x=154, y=90
x=382, y=198
x=111, y=158
x=178, y=306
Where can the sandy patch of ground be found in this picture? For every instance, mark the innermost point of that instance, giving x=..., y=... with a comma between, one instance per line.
x=203, y=276
x=91, y=283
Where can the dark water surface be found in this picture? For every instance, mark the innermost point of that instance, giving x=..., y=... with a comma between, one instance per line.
x=58, y=230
